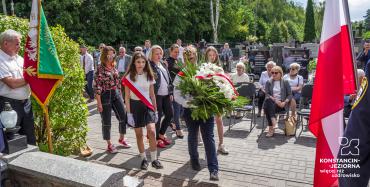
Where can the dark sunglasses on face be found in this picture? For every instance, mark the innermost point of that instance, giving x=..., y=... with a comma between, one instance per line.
x=274, y=73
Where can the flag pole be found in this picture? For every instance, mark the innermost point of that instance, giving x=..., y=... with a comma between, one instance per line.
x=48, y=129
x=345, y=4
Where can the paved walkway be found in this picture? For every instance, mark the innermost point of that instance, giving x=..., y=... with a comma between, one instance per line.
x=277, y=161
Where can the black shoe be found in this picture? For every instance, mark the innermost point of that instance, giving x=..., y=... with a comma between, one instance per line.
x=144, y=164
x=214, y=176
x=156, y=164
x=195, y=165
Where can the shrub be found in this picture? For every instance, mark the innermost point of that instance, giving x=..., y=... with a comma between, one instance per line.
x=312, y=65
x=67, y=109
x=366, y=35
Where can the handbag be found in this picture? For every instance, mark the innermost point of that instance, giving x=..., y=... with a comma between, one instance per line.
x=290, y=125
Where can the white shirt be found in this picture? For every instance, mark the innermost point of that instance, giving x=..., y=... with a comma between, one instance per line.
x=177, y=96
x=147, y=52
x=121, y=65
x=89, y=63
x=12, y=67
x=235, y=78
x=181, y=54
x=163, y=87
x=263, y=79
x=297, y=81
x=276, y=91
x=143, y=85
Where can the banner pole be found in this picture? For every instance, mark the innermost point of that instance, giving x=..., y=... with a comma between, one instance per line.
x=345, y=5
x=48, y=129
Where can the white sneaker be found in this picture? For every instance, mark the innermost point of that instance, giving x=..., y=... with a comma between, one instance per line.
x=222, y=149
x=200, y=143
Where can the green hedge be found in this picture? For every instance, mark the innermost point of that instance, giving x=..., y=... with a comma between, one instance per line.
x=68, y=110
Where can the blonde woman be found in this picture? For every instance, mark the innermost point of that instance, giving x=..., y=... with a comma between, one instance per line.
x=278, y=96
x=296, y=84
x=212, y=57
x=163, y=90
x=265, y=76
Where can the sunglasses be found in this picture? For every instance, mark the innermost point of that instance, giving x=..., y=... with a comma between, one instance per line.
x=274, y=73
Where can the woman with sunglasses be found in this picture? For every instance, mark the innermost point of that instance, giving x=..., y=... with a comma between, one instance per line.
x=265, y=76
x=278, y=96
x=109, y=96
x=296, y=84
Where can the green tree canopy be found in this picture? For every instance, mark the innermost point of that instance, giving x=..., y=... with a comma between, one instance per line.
x=367, y=20
x=275, y=33
x=131, y=22
x=309, y=27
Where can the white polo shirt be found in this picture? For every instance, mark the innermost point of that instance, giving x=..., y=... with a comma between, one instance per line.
x=12, y=67
x=89, y=63
x=235, y=78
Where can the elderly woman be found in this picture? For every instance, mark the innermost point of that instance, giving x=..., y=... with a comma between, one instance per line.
x=240, y=76
x=206, y=127
x=138, y=49
x=278, y=95
x=265, y=76
x=296, y=85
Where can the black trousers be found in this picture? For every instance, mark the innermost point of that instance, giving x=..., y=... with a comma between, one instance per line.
x=271, y=109
x=164, y=107
x=112, y=99
x=25, y=117
x=261, y=99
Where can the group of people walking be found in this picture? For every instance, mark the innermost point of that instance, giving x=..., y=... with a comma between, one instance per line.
x=142, y=93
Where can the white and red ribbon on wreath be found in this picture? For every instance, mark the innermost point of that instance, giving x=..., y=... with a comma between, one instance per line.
x=222, y=76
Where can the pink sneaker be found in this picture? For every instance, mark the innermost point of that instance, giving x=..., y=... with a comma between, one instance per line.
x=124, y=143
x=166, y=141
x=112, y=149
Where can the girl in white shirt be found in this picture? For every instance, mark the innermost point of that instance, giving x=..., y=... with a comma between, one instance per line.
x=212, y=57
x=138, y=113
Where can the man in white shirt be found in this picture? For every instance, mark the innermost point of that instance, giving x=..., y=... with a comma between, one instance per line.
x=87, y=64
x=181, y=51
x=123, y=60
x=13, y=87
x=147, y=46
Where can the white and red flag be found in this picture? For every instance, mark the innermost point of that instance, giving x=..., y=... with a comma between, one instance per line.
x=334, y=78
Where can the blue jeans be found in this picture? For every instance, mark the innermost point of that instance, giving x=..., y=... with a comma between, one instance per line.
x=89, y=77
x=206, y=129
x=177, y=110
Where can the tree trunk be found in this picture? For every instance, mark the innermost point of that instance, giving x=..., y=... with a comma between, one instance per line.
x=214, y=19
x=4, y=7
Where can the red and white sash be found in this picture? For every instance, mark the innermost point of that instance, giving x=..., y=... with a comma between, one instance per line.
x=144, y=97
